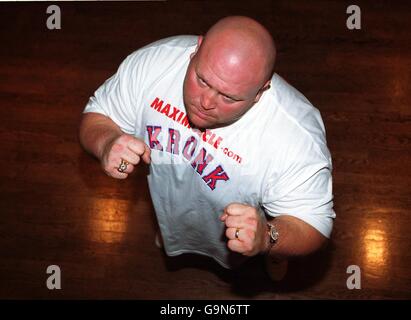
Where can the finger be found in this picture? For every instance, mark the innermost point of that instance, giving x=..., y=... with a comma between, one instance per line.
x=223, y=217
x=235, y=209
x=116, y=163
x=235, y=222
x=236, y=246
x=231, y=233
x=130, y=157
x=147, y=154
x=130, y=169
x=117, y=175
x=137, y=146
x=122, y=162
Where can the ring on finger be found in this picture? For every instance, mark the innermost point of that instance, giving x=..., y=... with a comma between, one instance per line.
x=123, y=166
x=237, y=231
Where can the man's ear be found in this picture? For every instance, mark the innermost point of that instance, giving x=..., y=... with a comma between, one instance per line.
x=266, y=86
x=199, y=41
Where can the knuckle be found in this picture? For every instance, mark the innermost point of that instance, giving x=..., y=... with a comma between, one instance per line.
x=137, y=150
x=117, y=148
x=252, y=222
x=250, y=234
x=124, y=138
x=230, y=208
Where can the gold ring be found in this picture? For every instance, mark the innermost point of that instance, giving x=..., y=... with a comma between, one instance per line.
x=123, y=166
x=237, y=231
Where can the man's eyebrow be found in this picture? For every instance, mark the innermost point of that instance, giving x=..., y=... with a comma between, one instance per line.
x=233, y=97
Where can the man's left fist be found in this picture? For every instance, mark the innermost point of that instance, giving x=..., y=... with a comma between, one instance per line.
x=246, y=229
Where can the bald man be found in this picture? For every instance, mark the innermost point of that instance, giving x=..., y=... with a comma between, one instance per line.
x=238, y=159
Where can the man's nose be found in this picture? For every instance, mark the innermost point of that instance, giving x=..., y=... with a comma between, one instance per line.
x=208, y=99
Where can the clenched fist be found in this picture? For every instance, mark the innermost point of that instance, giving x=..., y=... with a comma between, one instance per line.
x=124, y=147
x=246, y=229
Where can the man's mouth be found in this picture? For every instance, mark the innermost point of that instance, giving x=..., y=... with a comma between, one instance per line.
x=201, y=114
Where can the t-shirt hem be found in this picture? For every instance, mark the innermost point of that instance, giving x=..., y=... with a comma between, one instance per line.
x=182, y=251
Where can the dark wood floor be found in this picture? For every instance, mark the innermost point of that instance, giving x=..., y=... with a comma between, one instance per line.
x=58, y=208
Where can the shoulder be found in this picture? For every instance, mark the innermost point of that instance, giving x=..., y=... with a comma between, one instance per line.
x=180, y=42
x=168, y=48
x=296, y=120
x=162, y=54
x=158, y=58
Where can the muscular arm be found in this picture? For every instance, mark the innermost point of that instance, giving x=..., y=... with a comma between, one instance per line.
x=100, y=136
x=296, y=238
x=96, y=130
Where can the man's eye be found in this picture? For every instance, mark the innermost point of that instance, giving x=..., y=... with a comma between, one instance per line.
x=228, y=99
x=201, y=81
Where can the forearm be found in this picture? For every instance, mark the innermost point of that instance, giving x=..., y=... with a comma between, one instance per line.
x=96, y=131
x=296, y=238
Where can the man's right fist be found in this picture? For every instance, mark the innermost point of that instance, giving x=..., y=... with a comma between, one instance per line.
x=124, y=147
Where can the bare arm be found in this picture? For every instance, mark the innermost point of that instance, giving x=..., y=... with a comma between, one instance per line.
x=296, y=237
x=101, y=137
x=96, y=130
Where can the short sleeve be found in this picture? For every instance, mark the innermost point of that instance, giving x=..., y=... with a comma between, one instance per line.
x=304, y=191
x=118, y=97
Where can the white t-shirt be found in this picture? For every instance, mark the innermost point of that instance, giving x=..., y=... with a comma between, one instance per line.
x=274, y=157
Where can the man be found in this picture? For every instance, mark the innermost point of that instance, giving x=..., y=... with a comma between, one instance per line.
x=230, y=144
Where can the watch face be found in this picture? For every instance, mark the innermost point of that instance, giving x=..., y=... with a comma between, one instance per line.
x=273, y=235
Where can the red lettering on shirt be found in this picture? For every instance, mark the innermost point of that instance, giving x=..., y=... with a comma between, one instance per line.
x=217, y=143
x=153, y=132
x=166, y=109
x=212, y=178
x=157, y=104
x=185, y=123
x=181, y=117
x=173, y=141
x=201, y=161
x=174, y=114
x=186, y=153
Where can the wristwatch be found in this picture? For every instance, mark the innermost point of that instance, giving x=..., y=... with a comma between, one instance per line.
x=273, y=233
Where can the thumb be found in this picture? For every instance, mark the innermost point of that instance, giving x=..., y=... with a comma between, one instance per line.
x=223, y=216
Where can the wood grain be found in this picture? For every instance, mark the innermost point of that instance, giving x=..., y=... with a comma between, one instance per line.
x=58, y=207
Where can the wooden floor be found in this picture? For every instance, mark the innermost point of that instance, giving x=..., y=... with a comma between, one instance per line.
x=57, y=207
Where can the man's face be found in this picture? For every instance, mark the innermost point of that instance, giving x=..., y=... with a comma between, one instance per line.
x=214, y=94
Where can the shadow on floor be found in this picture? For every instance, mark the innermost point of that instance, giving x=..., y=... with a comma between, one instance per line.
x=251, y=279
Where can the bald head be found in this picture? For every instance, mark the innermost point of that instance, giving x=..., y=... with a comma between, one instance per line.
x=228, y=73
x=241, y=42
